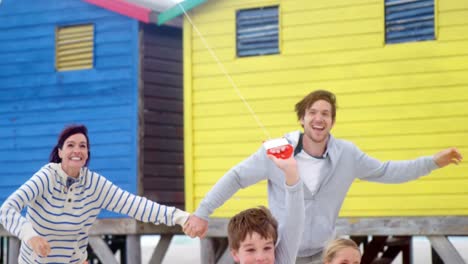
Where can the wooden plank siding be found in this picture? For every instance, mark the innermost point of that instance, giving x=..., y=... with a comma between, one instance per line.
x=161, y=74
x=36, y=101
x=396, y=101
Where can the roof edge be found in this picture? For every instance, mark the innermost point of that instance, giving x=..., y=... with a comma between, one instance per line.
x=178, y=10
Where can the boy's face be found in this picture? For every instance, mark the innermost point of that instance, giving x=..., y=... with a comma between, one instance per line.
x=255, y=249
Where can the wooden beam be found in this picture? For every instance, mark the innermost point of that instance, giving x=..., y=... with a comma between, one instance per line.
x=160, y=251
x=215, y=250
x=403, y=226
x=445, y=249
x=121, y=226
x=383, y=226
x=373, y=248
x=147, y=228
x=101, y=250
x=226, y=257
x=208, y=250
x=133, y=249
x=394, y=226
x=13, y=250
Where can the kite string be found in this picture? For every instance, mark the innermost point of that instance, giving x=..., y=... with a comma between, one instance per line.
x=225, y=72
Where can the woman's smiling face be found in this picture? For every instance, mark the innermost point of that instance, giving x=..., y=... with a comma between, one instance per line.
x=74, y=154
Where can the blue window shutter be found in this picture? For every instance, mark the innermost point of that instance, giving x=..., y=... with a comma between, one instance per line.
x=409, y=20
x=257, y=31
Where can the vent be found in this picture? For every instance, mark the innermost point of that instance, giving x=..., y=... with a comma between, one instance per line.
x=409, y=20
x=257, y=31
x=74, y=47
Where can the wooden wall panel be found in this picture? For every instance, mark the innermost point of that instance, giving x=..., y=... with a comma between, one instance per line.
x=161, y=67
x=36, y=101
x=395, y=101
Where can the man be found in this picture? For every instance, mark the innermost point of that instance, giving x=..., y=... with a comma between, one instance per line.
x=339, y=163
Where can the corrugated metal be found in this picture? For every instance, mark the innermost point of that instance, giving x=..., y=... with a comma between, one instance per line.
x=74, y=47
x=257, y=31
x=409, y=20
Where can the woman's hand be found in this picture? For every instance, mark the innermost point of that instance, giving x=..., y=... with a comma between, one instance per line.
x=195, y=227
x=40, y=246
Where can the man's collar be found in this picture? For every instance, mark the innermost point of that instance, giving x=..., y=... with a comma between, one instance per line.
x=299, y=147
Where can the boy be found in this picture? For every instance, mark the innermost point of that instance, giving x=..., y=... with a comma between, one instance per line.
x=254, y=236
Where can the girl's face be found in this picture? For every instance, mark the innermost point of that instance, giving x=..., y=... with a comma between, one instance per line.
x=346, y=256
x=74, y=154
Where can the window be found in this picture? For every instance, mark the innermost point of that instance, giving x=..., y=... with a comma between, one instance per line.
x=409, y=20
x=257, y=31
x=74, y=47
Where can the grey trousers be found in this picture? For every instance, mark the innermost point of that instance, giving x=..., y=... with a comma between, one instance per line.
x=315, y=259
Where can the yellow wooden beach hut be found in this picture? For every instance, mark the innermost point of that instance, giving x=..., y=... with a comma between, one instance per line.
x=399, y=69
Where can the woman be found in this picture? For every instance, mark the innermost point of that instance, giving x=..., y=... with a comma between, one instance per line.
x=64, y=198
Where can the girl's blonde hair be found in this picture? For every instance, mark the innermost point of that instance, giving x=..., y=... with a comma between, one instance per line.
x=336, y=245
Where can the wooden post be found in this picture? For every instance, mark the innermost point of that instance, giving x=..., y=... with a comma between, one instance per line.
x=435, y=257
x=161, y=249
x=374, y=248
x=226, y=257
x=101, y=250
x=133, y=249
x=444, y=248
x=13, y=250
x=215, y=250
x=207, y=248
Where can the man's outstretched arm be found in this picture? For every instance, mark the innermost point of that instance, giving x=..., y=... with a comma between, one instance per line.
x=248, y=172
x=401, y=171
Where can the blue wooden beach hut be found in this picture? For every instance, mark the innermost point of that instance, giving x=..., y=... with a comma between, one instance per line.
x=100, y=64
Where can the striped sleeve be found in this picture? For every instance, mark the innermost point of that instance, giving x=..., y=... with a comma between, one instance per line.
x=140, y=208
x=10, y=212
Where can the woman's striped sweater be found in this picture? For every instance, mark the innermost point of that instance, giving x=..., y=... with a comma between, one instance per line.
x=64, y=215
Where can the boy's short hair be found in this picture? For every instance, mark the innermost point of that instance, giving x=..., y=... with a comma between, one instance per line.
x=258, y=220
x=336, y=245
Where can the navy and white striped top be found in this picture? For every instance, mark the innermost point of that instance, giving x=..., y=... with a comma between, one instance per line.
x=64, y=215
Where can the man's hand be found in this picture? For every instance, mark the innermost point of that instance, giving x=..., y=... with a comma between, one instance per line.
x=447, y=156
x=40, y=246
x=195, y=227
x=289, y=167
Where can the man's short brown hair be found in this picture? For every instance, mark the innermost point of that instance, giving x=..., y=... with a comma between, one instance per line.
x=258, y=220
x=313, y=97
